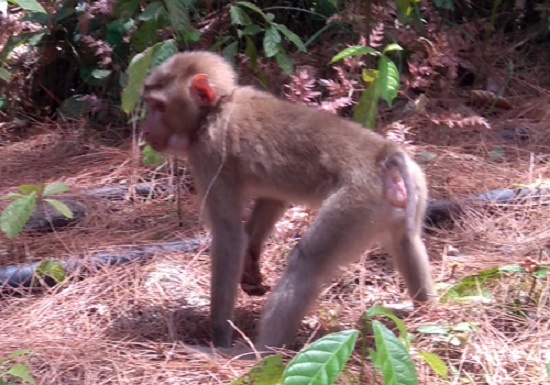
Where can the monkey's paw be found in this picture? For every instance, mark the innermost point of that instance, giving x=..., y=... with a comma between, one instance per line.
x=257, y=289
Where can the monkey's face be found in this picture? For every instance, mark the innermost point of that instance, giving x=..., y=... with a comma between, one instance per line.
x=171, y=112
x=175, y=102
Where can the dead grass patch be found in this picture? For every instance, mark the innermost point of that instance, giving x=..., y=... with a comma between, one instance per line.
x=128, y=324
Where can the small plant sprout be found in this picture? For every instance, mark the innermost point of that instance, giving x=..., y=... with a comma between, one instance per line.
x=16, y=215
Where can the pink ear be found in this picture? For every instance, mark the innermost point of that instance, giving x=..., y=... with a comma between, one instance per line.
x=201, y=91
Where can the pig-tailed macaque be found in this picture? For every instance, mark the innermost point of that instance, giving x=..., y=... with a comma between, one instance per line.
x=242, y=142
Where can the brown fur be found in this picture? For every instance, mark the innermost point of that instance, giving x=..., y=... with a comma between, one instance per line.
x=247, y=143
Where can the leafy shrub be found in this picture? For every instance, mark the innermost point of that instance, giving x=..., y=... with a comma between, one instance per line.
x=16, y=215
x=322, y=362
x=13, y=372
x=80, y=49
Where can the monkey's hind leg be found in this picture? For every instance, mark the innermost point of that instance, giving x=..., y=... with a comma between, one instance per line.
x=265, y=214
x=337, y=235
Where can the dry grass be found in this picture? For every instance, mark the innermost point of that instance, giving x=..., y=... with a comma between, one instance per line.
x=129, y=324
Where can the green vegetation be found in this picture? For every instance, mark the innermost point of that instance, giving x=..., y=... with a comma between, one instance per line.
x=13, y=371
x=324, y=360
x=16, y=215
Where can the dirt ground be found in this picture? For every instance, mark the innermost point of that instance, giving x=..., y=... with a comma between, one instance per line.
x=128, y=324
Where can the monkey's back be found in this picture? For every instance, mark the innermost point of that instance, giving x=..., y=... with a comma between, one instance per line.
x=288, y=148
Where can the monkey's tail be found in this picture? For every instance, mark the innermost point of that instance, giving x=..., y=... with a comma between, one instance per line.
x=400, y=160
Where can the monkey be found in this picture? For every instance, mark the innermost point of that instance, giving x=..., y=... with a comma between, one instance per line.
x=242, y=143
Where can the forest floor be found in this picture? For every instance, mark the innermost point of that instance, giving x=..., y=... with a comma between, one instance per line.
x=128, y=324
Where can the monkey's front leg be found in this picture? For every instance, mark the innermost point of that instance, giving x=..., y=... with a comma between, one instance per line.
x=227, y=254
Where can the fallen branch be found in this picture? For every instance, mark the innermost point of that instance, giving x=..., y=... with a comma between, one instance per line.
x=49, y=219
x=437, y=211
x=24, y=276
x=443, y=209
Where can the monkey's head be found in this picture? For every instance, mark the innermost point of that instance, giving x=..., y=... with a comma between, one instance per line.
x=178, y=93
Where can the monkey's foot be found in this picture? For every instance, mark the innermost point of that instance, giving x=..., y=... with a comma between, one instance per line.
x=255, y=289
x=251, y=279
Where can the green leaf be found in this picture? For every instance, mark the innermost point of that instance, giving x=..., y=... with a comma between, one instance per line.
x=374, y=358
x=151, y=12
x=27, y=189
x=251, y=53
x=466, y=290
x=369, y=75
x=56, y=187
x=151, y=157
x=5, y=75
x=433, y=329
x=381, y=310
x=474, y=285
x=115, y=35
x=29, y=5
x=272, y=40
x=469, y=327
x=145, y=36
x=291, y=36
x=548, y=370
x=125, y=9
x=63, y=14
x=506, y=268
x=36, y=39
x=52, y=269
x=445, y=4
x=193, y=35
x=12, y=196
x=162, y=51
x=396, y=365
x=178, y=13
x=37, y=18
x=16, y=215
x=404, y=6
x=17, y=353
x=251, y=30
x=101, y=74
x=137, y=71
x=253, y=7
x=22, y=372
x=355, y=50
x=367, y=109
x=285, y=62
x=322, y=361
x=61, y=207
x=239, y=16
x=267, y=372
x=74, y=106
x=16, y=40
x=436, y=363
x=230, y=51
x=392, y=47
x=540, y=272
x=387, y=80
